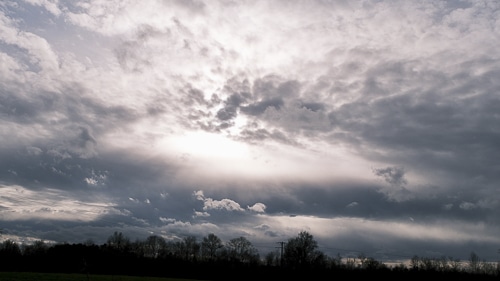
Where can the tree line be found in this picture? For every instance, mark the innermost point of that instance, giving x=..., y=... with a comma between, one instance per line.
x=211, y=258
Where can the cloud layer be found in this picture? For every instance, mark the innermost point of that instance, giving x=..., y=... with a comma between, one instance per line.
x=357, y=121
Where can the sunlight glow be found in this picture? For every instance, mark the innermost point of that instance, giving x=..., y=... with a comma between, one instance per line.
x=203, y=145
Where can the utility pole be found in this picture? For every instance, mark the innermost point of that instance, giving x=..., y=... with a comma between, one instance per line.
x=282, y=244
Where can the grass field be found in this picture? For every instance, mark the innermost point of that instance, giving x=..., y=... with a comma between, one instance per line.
x=31, y=276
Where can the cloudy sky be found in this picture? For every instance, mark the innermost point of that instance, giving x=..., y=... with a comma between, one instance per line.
x=373, y=125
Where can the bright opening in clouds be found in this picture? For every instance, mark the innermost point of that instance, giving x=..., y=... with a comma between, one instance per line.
x=373, y=125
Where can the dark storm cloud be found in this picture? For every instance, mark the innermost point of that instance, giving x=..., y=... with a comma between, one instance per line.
x=254, y=134
x=271, y=100
x=70, y=169
x=433, y=117
x=270, y=92
x=196, y=96
x=54, y=156
x=398, y=248
x=11, y=105
x=357, y=201
x=393, y=175
x=313, y=106
x=139, y=191
x=264, y=93
x=74, y=106
x=258, y=108
x=230, y=109
x=275, y=86
x=59, y=137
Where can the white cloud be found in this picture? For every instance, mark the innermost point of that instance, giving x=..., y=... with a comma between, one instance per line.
x=97, y=178
x=224, y=204
x=262, y=227
x=59, y=154
x=49, y=5
x=447, y=206
x=167, y=220
x=199, y=195
x=467, y=206
x=34, y=150
x=200, y=214
x=20, y=204
x=257, y=207
x=91, y=181
x=352, y=205
x=39, y=50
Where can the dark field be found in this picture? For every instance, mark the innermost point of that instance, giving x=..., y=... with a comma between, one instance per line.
x=31, y=276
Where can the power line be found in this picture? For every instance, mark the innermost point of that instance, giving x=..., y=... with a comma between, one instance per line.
x=282, y=245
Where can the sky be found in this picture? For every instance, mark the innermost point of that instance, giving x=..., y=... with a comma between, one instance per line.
x=372, y=125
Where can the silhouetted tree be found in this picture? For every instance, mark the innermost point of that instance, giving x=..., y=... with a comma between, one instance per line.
x=474, y=262
x=190, y=248
x=300, y=252
x=34, y=255
x=272, y=258
x=210, y=245
x=10, y=248
x=370, y=263
x=154, y=256
x=336, y=262
x=119, y=242
x=454, y=264
x=89, y=242
x=10, y=253
x=36, y=249
x=153, y=245
x=350, y=263
x=242, y=250
x=170, y=249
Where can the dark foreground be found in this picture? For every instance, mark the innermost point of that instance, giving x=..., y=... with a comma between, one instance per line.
x=245, y=273
x=114, y=261
x=30, y=276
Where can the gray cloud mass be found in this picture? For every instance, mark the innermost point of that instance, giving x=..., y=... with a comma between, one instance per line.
x=374, y=125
